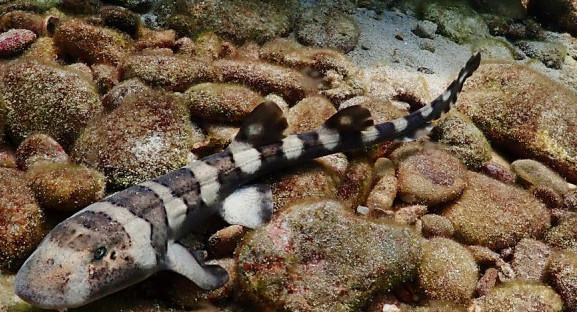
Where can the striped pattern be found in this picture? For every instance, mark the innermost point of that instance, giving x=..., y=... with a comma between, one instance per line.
x=138, y=226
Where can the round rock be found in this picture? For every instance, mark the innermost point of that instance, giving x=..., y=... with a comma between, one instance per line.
x=496, y=215
x=430, y=177
x=320, y=257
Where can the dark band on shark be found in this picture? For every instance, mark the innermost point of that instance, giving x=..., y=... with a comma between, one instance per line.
x=182, y=184
x=146, y=204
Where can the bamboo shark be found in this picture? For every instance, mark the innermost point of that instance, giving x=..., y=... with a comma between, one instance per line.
x=129, y=235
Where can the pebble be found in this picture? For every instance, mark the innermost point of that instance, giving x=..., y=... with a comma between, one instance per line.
x=39, y=148
x=521, y=296
x=530, y=259
x=15, y=41
x=562, y=272
x=436, y=225
x=425, y=29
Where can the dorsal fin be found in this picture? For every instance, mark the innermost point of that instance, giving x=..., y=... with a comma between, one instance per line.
x=264, y=125
x=351, y=119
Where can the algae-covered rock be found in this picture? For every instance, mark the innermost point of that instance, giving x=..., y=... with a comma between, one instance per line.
x=37, y=148
x=49, y=99
x=464, y=140
x=433, y=306
x=291, y=84
x=521, y=296
x=551, y=54
x=530, y=259
x=564, y=235
x=356, y=183
x=309, y=114
x=91, y=44
x=221, y=101
x=430, y=177
x=436, y=225
x=325, y=26
x=15, y=41
x=65, y=187
x=524, y=112
x=562, y=272
x=533, y=173
x=21, y=220
x=384, y=190
x=496, y=215
x=456, y=20
x=113, y=98
x=236, y=20
x=447, y=271
x=174, y=73
x=149, y=135
x=320, y=257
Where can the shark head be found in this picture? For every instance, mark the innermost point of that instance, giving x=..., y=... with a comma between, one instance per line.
x=84, y=258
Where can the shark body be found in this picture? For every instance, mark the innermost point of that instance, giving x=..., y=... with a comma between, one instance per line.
x=130, y=235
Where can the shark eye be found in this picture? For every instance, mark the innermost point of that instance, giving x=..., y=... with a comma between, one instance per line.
x=99, y=253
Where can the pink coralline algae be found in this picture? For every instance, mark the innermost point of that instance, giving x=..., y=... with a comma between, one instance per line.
x=14, y=41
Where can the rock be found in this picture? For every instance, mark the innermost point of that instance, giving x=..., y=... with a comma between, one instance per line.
x=447, y=272
x=39, y=148
x=464, y=140
x=65, y=187
x=224, y=241
x=456, y=20
x=149, y=135
x=499, y=169
x=521, y=296
x=425, y=29
x=410, y=215
x=307, y=182
x=114, y=98
x=430, y=177
x=23, y=20
x=121, y=19
x=221, y=102
x=508, y=8
x=106, y=76
x=42, y=50
x=21, y=220
x=135, y=5
x=532, y=173
x=309, y=114
x=564, y=235
x=484, y=256
x=91, y=44
x=562, y=272
x=433, y=306
x=495, y=48
x=570, y=200
x=15, y=41
x=259, y=21
x=47, y=99
x=292, y=85
x=326, y=27
x=530, y=259
x=561, y=14
x=487, y=282
x=155, y=39
x=550, y=54
x=174, y=73
x=496, y=215
x=318, y=256
x=436, y=225
x=536, y=117
x=356, y=183
x=384, y=190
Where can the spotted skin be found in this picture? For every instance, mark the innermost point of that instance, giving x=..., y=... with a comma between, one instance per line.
x=132, y=234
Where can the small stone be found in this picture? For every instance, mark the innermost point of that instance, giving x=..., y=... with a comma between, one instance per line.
x=521, y=296
x=399, y=37
x=114, y=98
x=570, y=200
x=486, y=282
x=484, y=255
x=409, y=215
x=356, y=183
x=499, y=169
x=551, y=54
x=425, y=29
x=530, y=259
x=448, y=271
x=7, y=159
x=120, y=18
x=224, y=241
x=38, y=148
x=430, y=177
x=562, y=272
x=65, y=187
x=15, y=41
x=384, y=191
x=548, y=196
x=156, y=39
x=533, y=173
x=106, y=76
x=436, y=225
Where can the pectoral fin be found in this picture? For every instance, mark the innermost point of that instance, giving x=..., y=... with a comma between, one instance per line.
x=181, y=261
x=250, y=206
